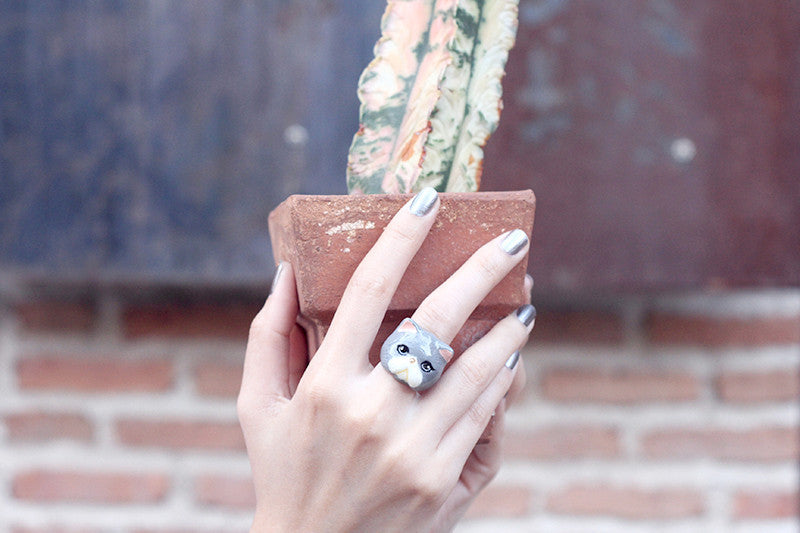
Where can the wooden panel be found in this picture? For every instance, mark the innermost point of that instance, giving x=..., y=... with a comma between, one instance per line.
x=151, y=139
x=147, y=141
x=662, y=139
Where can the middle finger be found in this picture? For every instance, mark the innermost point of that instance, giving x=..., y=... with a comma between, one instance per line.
x=447, y=308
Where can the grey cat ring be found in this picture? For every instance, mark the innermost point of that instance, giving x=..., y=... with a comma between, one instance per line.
x=415, y=356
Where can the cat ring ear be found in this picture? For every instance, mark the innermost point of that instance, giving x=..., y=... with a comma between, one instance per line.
x=415, y=356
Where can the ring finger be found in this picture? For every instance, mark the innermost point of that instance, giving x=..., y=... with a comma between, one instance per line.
x=445, y=310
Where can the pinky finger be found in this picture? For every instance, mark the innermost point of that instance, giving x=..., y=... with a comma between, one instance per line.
x=485, y=460
x=460, y=439
x=298, y=357
x=516, y=392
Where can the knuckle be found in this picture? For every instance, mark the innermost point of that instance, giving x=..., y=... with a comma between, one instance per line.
x=432, y=316
x=472, y=374
x=429, y=486
x=252, y=410
x=487, y=470
x=479, y=414
x=488, y=265
x=400, y=233
x=258, y=324
x=320, y=395
x=372, y=285
x=394, y=464
x=392, y=460
x=360, y=419
x=263, y=329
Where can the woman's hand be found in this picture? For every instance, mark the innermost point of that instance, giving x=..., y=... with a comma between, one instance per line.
x=343, y=446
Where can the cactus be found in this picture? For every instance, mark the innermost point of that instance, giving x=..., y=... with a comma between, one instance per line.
x=431, y=96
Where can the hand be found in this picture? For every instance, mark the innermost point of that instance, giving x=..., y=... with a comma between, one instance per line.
x=343, y=446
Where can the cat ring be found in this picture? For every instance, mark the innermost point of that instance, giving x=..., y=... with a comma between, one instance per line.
x=415, y=356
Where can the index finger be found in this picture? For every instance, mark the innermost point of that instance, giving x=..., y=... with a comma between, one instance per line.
x=374, y=282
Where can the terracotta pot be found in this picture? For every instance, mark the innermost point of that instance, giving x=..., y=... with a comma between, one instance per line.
x=325, y=238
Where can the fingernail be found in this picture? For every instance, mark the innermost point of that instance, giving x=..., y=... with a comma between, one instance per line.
x=526, y=314
x=277, y=276
x=514, y=242
x=423, y=202
x=513, y=360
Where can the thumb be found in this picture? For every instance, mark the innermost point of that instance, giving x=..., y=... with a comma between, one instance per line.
x=266, y=362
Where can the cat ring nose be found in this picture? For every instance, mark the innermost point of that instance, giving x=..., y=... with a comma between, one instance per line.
x=415, y=356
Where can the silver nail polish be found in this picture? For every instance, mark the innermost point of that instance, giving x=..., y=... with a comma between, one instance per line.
x=514, y=242
x=424, y=201
x=277, y=276
x=513, y=360
x=526, y=314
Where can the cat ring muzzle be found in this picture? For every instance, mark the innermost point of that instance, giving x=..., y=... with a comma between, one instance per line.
x=415, y=356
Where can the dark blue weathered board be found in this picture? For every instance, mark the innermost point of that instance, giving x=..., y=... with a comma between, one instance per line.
x=150, y=139
x=147, y=140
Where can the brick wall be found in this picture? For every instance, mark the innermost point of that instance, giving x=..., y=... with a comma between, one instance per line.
x=676, y=413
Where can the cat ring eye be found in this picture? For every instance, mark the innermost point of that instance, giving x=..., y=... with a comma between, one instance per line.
x=426, y=366
x=402, y=349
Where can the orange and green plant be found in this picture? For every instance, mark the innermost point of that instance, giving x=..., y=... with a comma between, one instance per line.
x=432, y=95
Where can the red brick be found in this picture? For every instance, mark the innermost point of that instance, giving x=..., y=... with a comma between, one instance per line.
x=98, y=487
x=618, y=386
x=218, y=379
x=225, y=491
x=181, y=434
x=189, y=320
x=590, y=327
x=627, y=502
x=38, y=427
x=56, y=316
x=501, y=501
x=752, y=505
x=763, y=444
x=752, y=387
x=106, y=374
x=562, y=442
x=53, y=529
x=665, y=328
x=187, y=530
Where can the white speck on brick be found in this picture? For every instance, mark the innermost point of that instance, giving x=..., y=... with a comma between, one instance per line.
x=350, y=226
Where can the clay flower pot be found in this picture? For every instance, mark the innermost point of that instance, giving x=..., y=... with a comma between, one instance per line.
x=325, y=237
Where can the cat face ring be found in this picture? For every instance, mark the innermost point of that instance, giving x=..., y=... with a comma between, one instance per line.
x=415, y=356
